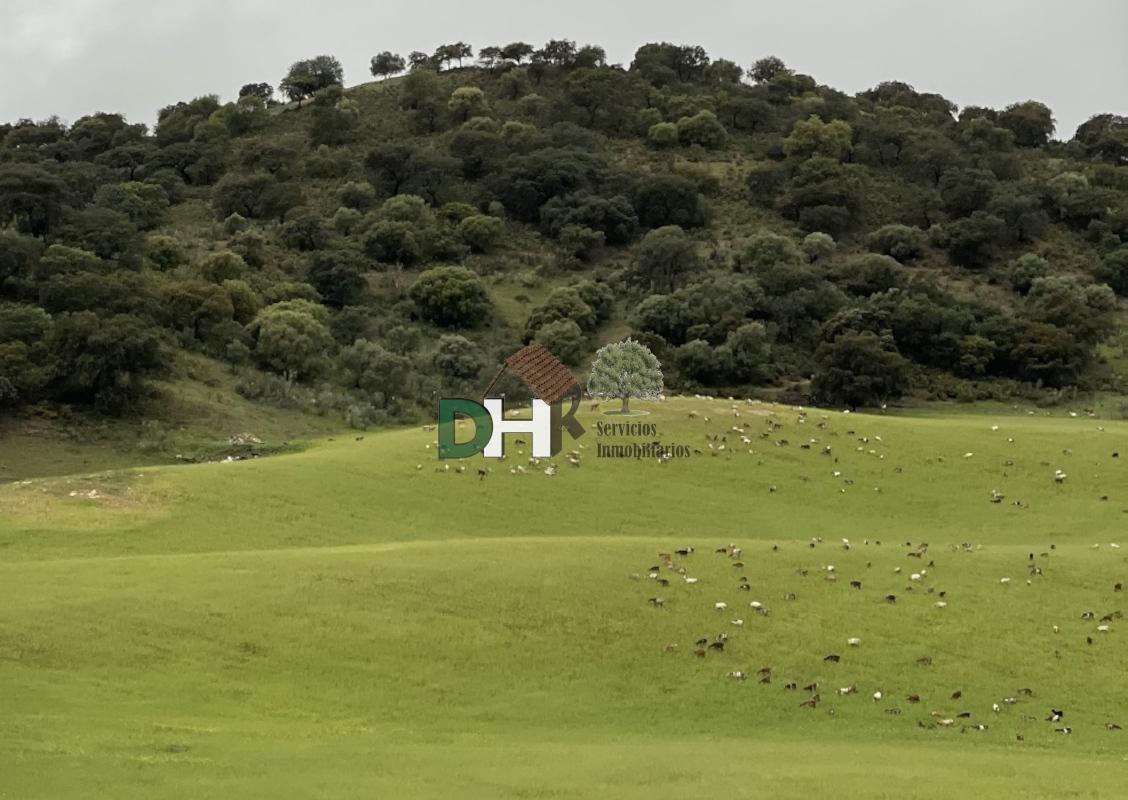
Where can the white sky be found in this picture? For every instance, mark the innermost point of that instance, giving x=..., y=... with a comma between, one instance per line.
x=74, y=57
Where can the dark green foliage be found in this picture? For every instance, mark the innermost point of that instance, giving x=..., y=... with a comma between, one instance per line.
x=1031, y=123
x=1114, y=270
x=614, y=216
x=386, y=63
x=844, y=231
x=668, y=200
x=527, y=182
x=451, y=296
x=565, y=303
x=859, y=369
x=105, y=359
x=308, y=77
x=457, y=357
x=971, y=241
x=702, y=128
x=481, y=233
x=766, y=250
x=903, y=242
x=338, y=276
x=564, y=339
x=30, y=197
x=665, y=256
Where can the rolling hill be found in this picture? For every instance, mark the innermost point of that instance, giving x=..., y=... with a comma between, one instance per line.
x=356, y=618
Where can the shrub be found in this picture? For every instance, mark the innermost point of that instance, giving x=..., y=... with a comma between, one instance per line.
x=902, y=242
x=480, y=232
x=662, y=135
x=564, y=339
x=818, y=245
x=450, y=296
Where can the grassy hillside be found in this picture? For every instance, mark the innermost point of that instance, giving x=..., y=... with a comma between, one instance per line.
x=354, y=619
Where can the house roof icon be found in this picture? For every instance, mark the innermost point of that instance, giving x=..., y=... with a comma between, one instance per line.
x=541, y=371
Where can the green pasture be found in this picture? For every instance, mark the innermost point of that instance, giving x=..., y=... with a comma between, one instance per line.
x=356, y=620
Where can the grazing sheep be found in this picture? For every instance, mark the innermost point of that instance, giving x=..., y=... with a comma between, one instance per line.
x=657, y=602
x=854, y=641
x=720, y=606
x=737, y=675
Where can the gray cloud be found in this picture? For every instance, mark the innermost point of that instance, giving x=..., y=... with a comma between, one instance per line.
x=74, y=57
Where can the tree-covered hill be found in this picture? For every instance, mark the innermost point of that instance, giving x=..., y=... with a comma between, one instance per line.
x=365, y=250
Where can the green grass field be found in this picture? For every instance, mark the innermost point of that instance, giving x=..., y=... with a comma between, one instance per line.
x=356, y=621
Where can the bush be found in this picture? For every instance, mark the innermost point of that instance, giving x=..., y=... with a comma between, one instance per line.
x=564, y=303
x=662, y=135
x=902, y=242
x=668, y=200
x=222, y=266
x=818, y=245
x=564, y=339
x=393, y=242
x=165, y=252
x=481, y=233
x=450, y=297
x=457, y=357
x=766, y=250
x=704, y=129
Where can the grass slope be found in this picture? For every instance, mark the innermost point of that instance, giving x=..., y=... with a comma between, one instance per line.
x=341, y=623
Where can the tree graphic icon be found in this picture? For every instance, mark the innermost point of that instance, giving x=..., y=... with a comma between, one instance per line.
x=624, y=370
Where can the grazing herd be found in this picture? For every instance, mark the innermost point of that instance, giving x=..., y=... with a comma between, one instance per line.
x=675, y=567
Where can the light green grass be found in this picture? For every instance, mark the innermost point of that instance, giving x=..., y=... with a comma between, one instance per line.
x=339, y=623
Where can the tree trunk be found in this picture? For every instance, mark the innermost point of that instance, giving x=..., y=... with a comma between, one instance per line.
x=626, y=404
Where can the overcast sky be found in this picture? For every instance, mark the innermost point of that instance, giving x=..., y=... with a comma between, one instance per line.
x=74, y=57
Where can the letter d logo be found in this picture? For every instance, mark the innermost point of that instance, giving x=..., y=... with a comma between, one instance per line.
x=483, y=428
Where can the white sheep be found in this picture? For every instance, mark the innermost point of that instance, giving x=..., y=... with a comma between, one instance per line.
x=720, y=606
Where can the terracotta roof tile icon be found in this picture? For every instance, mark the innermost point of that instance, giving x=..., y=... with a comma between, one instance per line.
x=541, y=371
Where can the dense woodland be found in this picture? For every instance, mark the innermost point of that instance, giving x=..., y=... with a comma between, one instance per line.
x=362, y=251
